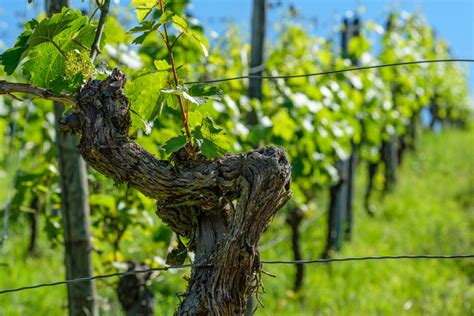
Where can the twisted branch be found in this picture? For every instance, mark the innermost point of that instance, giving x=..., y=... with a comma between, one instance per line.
x=16, y=87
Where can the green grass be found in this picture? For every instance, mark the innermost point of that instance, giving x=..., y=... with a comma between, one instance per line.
x=430, y=212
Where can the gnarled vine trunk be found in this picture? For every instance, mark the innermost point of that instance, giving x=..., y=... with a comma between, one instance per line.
x=224, y=204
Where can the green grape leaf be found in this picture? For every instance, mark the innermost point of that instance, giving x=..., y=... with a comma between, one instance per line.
x=195, y=100
x=143, y=8
x=104, y=200
x=211, y=138
x=144, y=96
x=139, y=40
x=165, y=17
x=12, y=57
x=283, y=125
x=148, y=27
x=171, y=101
x=197, y=40
x=358, y=45
x=44, y=66
x=181, y=25
x=50, y=57
x=162, y=65
x=194, y=118
x=182, y=91
x=139, y=122
x=48, y=29
x=144, y=27
x=211, y=150
x=209, y=128
x=176, y=143
x=198, y=94
x=325, y=57
x=206, y=91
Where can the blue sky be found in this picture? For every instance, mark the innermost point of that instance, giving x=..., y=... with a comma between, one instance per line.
x=453, y=20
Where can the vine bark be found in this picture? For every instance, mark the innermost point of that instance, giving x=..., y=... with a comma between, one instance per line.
x=222, y=205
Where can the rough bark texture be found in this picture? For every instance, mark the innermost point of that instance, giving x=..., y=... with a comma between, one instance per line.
x=224, y=205
x=372, y=168
x=133, y=294
x=257, y=48
x=434, y=110
x=33, y=219
x=75, y=211
x=350, y=30
x=390, y=161
x=351, y=173
x=409, y=139
x=403, y=142
x=294, y=219
x=337, y=210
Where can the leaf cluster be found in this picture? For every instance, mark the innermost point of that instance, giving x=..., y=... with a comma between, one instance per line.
x=54, y=52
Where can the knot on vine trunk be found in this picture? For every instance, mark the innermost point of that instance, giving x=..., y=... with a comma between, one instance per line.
x=104, y=108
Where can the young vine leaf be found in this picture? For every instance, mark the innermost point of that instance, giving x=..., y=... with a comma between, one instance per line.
x=56, y=50
x=151, y=92
x=149, y=26
x=181, y=25
x=211, y=139
x=12, y=57
x=143, y=8
x=145, y=99
x=174, y=144
x=197, y=95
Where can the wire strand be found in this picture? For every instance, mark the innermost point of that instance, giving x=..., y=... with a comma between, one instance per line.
x=366, y=258
x=102, y=276
x=331, y=72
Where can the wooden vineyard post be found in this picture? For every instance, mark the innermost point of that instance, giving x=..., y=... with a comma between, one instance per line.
x=351, y=29
x=294, y=218
x=340, y=214
x=389, y=150
x=259, y=16
x=75, y=211
x=337, y=209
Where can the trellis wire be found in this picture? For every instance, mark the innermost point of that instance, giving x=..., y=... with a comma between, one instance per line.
x=323, y=260
x=331, y=72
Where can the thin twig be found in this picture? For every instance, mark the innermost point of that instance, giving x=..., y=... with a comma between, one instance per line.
x=104, y=11
x=15, y=97
x=93, y=13
x=15, y=87
x=175, y=74
x=176, y=39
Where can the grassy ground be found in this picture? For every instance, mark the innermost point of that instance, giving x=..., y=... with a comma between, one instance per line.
x=430, y=212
